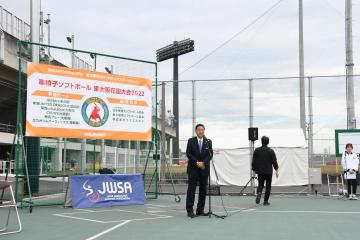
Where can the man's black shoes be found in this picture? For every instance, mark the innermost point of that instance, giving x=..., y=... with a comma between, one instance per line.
x=198, y=214
x=191, y=215
x=258, y=197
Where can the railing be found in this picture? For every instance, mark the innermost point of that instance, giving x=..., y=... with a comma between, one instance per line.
x=82, y=64
x=13, y=25
x=3, y=166
x=7, y=128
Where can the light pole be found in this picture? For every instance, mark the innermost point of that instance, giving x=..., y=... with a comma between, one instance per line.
x=351, y=120
x=173, y=51
x=251, y=128
x=193, y=107
x=47, y=22
x=109, y=70
x=72, y=41
x=83, y=141
x=93, y=56
x=35, y=28
x=301, y=69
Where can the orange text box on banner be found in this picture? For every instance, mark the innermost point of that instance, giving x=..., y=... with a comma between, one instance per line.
x=75, y=103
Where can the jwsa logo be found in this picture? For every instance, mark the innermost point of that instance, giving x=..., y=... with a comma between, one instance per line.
x=109, y=191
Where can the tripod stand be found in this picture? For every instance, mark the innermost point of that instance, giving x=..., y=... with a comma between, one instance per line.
x=243, y=189
x=210, y=213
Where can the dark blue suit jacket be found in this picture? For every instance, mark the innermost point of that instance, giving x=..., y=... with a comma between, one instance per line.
x=194, y=154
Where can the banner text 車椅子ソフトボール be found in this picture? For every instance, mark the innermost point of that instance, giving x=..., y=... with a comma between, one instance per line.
x=75, y=103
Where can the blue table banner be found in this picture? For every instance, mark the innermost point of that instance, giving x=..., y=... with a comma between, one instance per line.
x=90, y=191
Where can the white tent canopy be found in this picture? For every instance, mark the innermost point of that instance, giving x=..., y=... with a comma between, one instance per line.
x=233, y=164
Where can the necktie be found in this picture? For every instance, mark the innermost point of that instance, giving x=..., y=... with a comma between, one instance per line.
x=200, y=145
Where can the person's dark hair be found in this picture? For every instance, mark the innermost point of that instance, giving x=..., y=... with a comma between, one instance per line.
x=264, y=140
x=349, y=145
x=199, y=125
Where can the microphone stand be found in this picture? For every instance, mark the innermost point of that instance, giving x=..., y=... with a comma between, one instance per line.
x=210, y=213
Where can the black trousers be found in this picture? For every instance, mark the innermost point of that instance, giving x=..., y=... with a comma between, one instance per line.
x=265, y=178
x=196, y=176
x=352, y=183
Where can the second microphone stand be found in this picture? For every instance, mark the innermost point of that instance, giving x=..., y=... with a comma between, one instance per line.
x=210, y=213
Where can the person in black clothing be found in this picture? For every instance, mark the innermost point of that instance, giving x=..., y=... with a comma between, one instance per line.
x=264, y=160
x=198, y=152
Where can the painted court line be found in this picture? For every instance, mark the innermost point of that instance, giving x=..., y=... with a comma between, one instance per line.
x=163, y=209
x=157, y=205
x=109, y=230
x=156, y=211
x=114, y=210
x=152, y=207
x=77, y=218
x=141, y=219
x=238, y=208
x=110, y=210
x=85, y=210
x=121, y=222
x=144, y=213
x=152, y=216
x=249, y=210
x=181, y=210
x=295, y=211
x=78, y=212
x=128, y=211
x=174, y=205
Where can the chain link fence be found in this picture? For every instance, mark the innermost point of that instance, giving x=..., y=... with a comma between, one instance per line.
x=41, y=166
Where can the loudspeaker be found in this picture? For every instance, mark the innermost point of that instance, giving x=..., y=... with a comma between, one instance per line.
x=253, y=134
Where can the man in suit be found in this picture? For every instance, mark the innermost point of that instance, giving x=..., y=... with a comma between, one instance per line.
x=199, y=152
x=264, y=160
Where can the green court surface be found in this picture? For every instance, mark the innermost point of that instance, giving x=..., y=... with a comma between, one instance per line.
x=287, y=218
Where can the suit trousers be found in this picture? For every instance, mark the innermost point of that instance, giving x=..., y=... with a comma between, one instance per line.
x=196, y=176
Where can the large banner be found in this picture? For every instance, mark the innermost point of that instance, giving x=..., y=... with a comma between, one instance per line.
x=89, y=191
x=75, y=103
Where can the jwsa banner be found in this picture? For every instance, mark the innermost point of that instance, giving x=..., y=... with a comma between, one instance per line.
x=89, y=191
x=74, y=103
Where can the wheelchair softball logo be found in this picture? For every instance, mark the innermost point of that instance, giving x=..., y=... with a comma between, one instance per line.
x=95, y=112
x=90, y=194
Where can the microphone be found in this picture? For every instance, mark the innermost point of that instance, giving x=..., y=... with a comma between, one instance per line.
x=207, y=141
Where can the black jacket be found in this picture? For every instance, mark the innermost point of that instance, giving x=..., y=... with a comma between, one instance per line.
x=193, y=153
x=264, y=160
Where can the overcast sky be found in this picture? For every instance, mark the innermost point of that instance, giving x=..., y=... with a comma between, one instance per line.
x=269, y=48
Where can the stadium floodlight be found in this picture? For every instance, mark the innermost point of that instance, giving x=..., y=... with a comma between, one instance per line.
x=173, y=51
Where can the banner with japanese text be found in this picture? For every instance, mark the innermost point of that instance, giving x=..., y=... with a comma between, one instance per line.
x=75, y=103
